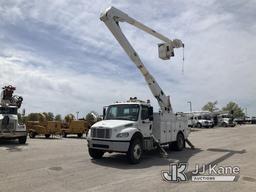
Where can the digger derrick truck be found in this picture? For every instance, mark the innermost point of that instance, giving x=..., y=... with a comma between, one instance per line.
x=9, y=126
x=132, y=127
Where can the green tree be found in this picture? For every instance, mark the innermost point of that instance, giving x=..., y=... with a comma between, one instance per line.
x=58, y=117
x=33, y=117
x=49, y=116
x=233, y=108
x=210, y=106
x=69, y=118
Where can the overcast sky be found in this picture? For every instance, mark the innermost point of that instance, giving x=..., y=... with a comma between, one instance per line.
x=63, y=59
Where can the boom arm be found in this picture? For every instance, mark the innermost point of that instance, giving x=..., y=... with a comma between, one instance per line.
x=111, y=17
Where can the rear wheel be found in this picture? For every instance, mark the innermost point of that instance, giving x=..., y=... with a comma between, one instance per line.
x=64, y=134
x=96, y=153
x=179, y=144
x=32, y=134
x=199, y=125
x=135, y=151
x=22, y=140
x=47, y=136
x=224, y=124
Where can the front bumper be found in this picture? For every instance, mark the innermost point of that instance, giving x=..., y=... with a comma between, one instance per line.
x=12, y=135
x=109, y=145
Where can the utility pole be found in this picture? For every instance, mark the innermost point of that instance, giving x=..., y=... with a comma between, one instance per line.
x=77, y=115
x=190, y=106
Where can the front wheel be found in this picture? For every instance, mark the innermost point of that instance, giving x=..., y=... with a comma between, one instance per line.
x=199, y=125
x=96, y=153
x=22, y=140
x=79, y=135
x=135, y=151
x=64, y=134
x=179, y=144
x=47, y=136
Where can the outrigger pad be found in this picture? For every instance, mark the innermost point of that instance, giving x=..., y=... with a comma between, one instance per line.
x=190, y=144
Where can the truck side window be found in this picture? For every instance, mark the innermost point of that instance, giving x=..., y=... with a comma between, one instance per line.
x=144, y=113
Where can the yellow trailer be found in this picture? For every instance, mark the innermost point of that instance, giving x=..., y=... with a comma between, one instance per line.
x=46, y=128
x=78, y=127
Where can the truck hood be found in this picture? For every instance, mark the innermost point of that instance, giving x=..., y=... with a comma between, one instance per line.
x=113, y=123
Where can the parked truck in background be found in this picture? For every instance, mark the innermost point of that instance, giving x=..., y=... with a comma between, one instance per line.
x=132, y=127
x=226, y=120
x=9, y=125
x=77, y=127
x=200, y=119
x=43, y=127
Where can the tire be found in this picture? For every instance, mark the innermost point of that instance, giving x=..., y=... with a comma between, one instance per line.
x=79, y=135
x=199, y=125
x=179, y=144
x=32, y=134
x=96, y=153
x=64, y=134
x=22, y=140
x=47, y=136
x=224, y=124
x=135, y=151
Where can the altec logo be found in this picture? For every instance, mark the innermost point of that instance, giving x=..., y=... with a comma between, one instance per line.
x=204, y=173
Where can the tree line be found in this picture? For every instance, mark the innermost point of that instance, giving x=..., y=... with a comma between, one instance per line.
x=231, y=107
x=49, y=116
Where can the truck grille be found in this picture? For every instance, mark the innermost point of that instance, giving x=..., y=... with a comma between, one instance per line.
x=100, y=133
x=7, y=128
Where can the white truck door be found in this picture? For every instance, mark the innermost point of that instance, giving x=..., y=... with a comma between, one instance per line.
x=145, y=125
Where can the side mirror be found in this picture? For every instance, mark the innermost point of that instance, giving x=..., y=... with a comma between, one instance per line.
x=150, y=113
x=104, y=112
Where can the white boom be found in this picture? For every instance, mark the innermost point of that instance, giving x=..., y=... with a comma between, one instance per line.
x=111, y=17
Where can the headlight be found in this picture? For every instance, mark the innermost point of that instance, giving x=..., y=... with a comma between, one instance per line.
x=125, y=134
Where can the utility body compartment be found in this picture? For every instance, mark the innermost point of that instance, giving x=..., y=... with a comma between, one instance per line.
x=167, y=126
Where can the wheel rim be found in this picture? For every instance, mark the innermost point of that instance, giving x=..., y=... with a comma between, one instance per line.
x=137, y=151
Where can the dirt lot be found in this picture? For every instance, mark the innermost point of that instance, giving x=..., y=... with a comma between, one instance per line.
x=58, y=164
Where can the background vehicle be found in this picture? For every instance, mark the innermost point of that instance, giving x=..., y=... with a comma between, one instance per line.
x=226, y=120
x=131, y=127
x=43, y=127
x=9, y=126
x=78, y=127
x=200, y=119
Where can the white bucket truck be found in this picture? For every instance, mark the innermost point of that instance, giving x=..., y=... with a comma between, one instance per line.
x=131, y=127
x=9, y=126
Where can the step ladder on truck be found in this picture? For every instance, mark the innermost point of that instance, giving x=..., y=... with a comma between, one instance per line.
x=132, y=127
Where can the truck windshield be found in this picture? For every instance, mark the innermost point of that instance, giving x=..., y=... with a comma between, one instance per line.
x=123, y=112
x=8, y=110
